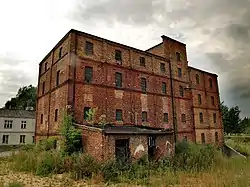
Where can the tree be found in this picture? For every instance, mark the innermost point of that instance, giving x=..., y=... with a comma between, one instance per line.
x=231, y=119
x=25, y=97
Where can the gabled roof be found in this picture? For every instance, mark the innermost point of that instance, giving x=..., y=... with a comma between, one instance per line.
x=17, y=113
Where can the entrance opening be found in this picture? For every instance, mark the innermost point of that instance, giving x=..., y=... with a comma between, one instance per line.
x=151, y=146
x=122, y=150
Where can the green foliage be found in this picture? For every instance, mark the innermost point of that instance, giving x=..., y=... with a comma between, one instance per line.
x=71, y=135
x=84, y=166
x=15, y=184
x=26, y=96
x=91, y=115
x=231, y=120
x=239, y=145
x=47, y=144
x=193, y=157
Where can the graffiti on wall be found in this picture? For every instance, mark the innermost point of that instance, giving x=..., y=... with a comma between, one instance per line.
x=139, y=150
x=169, y=148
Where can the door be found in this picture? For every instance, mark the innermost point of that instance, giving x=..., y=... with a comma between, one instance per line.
x=122, y=152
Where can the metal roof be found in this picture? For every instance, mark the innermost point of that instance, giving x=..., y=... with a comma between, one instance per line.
x=17, y=113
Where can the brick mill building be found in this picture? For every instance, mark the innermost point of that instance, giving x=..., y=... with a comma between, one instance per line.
x=152, y=98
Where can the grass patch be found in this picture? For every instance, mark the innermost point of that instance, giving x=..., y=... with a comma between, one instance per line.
x=240, y=146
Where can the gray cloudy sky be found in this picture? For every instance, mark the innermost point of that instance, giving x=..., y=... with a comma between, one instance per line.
x=217, y=34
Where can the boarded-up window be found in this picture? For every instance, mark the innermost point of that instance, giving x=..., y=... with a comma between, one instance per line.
x=118, y=80
x=89, y=48
x=144, y=116
x=143, y=85
x=181, y=91
x=88, y=74
x=118, y=115
x=183, y=118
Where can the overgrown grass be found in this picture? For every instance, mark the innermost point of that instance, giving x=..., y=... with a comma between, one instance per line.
x=240, y=146
x=192, y=164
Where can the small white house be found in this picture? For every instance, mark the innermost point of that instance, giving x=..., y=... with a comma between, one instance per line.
x=17, y=127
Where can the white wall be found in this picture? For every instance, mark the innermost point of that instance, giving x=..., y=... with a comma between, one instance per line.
x=15, y=132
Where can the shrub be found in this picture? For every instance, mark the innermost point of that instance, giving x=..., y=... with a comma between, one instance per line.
x=49, y=162
x=15, y=184
x=47, y=144
x=84, y=166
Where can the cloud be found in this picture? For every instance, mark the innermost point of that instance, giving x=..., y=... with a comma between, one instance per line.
x=219, y=30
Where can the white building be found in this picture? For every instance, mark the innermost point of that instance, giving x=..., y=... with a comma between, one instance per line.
x=17, y=127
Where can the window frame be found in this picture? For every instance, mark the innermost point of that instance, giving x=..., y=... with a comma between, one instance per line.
x=60, y=52
x=43, y=87
x=85, y=111
x=181, y=91
x=201, y=117
x=8, y=124
x=88, y=74
x=165, y=117
x=58, y=77
x=23, y=124
x=199, y=99
x=203, y=138
x=214, y=118
x=143, y=84
x=22, y=139
x=197, y=77
x=179, y=71
x=178, y=56
x=142, y=61
x=118, y=115
x=5, y=139
x=144, y=116
x=118, y=55
x=56, y=115
x=162, y=67
x=118, y=80
x=41, y=118
x=164, y=87
x=89, y=48
x=210, y=83
x=212, y=100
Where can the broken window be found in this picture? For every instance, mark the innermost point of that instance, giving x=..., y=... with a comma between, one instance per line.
x=164, y=88
x=179, y=72
x=212, y=100
x=178, y=56
x=143, y=85
x=142, y=61
x=210, y=83
x=122, y=152
x=57, y=77
x=199, y=99
x=197, y=79
x=214, y=117
x=41, y=118
x=201, y=117
x=118, y=55
x=118, y=115
x=88, y=74
x=162, y=67
x=60, y=52
x=144, y=116
x=56, y=114
x=151, y=146
x=118, y=80
x=216, y=137
x=85, y=114
x=165, y=117
x=89, y=48
x=203, y=138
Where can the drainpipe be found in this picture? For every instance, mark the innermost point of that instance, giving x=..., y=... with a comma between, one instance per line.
x=172, y=100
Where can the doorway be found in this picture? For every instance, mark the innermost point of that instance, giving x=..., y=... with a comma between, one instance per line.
x=122, y=152
x=151, y=146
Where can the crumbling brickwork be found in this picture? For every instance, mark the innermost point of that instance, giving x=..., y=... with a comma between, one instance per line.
x=170, y=100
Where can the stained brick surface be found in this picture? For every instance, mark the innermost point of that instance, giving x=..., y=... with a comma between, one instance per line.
x=73, y=92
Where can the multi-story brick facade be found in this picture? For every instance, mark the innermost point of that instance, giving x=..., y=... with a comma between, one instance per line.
x=153, y=88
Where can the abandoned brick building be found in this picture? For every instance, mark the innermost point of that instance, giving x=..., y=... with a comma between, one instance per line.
x=151, y=98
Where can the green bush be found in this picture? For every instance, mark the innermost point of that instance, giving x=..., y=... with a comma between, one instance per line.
x=84, y=166
x=47, y=144
x=49, y=162
x=15, y=184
